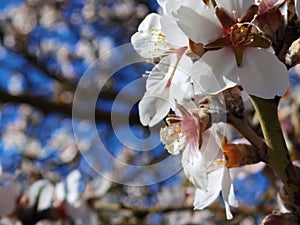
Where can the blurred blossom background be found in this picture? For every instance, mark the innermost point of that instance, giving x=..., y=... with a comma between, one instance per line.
x=45, y=48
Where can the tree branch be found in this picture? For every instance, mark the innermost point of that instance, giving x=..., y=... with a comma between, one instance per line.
x=63, y=108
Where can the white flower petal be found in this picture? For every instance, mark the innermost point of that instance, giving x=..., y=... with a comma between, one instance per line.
x=211, y=149
x=210, y=73
x=153, y=108
x=181, y=83
x=228, y=212
x=192, y=163
x=162, y=3
x=174, y=35
x=200, y=7
x=169, y=6
x=228, y=193
x=205, y=198
x=239, y=6
x=148, y=41
x=201, y=27
x=161, y=73
x=262, y=74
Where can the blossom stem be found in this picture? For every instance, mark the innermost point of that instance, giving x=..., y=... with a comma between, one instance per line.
x=279, y=158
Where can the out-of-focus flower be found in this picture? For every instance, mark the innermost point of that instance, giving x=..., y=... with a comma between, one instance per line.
x=237, y=52
x=41, y=191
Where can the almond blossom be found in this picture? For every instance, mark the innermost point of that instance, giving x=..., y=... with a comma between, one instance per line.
x=190, y=132
x=160, y=39
x=237, y=53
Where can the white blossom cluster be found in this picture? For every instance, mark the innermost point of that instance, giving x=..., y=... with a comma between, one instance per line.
x=202, y=48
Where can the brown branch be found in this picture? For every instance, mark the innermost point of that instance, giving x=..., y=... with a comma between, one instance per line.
x=63, y=108
x=254, y=211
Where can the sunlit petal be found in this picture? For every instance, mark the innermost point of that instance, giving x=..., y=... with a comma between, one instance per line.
x=239, y=7
x=227, y=193
x=149, y=41
x=201, y=28
x=161, y=73
x=262, y=74
x=181, y=85
x=153, y=108
x=204, y=198
x=174, y=35
x=210, y=72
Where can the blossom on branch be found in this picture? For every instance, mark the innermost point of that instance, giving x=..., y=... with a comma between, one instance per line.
x=236, y=51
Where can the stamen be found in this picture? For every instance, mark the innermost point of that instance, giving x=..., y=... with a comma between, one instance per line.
x=159, y=41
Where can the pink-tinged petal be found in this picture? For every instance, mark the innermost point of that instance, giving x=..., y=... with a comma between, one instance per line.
x=212, y=72
x=240, y=7
x=204, y=198
x=174, y=35
x=161, y=74
x=7, y=200
x=201, y=28
x=262, y=74
x=153, y=108
x=149, y=41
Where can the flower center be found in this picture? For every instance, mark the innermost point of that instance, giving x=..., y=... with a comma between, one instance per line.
x=239, y=35
x=172, y=135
